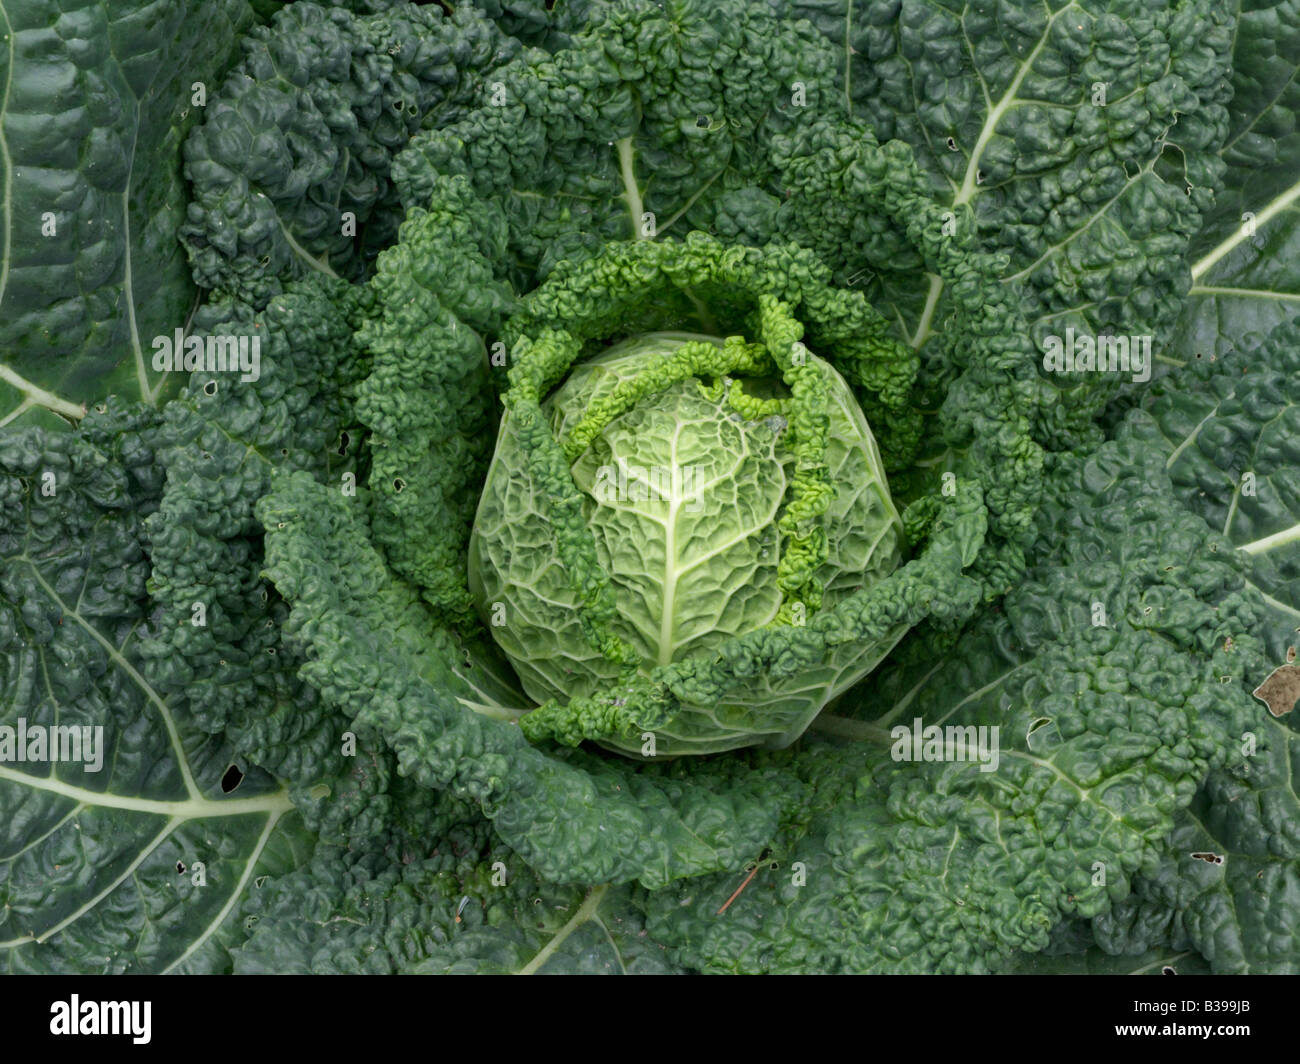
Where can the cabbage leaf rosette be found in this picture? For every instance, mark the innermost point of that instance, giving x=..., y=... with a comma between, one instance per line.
x=654, y=538
x=685, y=541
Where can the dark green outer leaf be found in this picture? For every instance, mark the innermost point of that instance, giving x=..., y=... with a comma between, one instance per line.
x=219, y=443
x=298, y=141
x=1228, y=431
x=94, y=104
x=375, y=653
x=99, y=869
x=1246, y=273
x=1095, y=201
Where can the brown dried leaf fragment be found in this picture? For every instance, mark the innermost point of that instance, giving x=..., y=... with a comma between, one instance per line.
x=1281, y=690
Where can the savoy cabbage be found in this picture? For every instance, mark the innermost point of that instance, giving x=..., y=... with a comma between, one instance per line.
x=481, y=487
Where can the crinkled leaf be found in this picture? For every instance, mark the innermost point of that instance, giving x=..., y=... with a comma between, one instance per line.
x=143, y=863
x=1083, y=135
x=95, y=101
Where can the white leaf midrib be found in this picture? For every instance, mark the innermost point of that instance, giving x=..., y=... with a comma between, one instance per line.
x=236, y=893
x=970, y=185
x=1239, y=234
x=668, y=619
x=196, y=808
x=1006, y=103
x=164, y=711
x=586, y=911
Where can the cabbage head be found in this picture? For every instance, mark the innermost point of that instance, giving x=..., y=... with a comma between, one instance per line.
x=722, y=498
